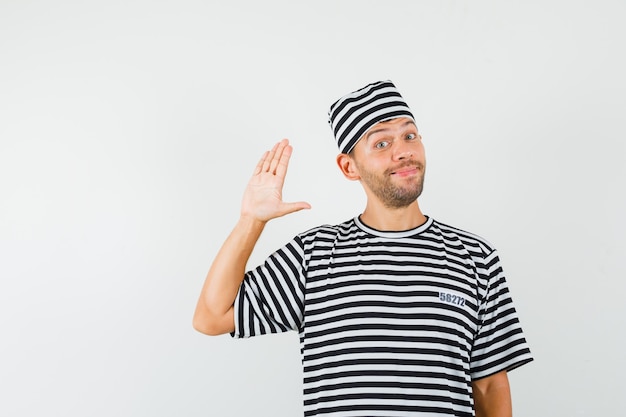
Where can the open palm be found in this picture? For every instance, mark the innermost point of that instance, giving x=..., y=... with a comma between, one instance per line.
x=263, y=197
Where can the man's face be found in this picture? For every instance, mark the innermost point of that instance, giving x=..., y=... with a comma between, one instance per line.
x=391, y=163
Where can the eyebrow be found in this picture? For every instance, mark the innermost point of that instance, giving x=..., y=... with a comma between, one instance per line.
x=371, y=132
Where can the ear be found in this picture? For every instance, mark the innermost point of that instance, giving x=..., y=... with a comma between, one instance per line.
x=348, y=167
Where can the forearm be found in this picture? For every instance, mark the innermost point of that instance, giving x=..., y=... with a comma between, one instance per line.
x=492, y=396
x=214, y=308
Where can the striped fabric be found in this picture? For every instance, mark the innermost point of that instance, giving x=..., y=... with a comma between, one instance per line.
x=355, y=113
x=390, y=323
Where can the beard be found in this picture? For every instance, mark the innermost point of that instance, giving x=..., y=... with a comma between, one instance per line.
x=393, y=195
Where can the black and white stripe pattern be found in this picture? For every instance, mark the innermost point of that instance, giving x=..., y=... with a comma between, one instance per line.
x=354, y=114
x=390, y=323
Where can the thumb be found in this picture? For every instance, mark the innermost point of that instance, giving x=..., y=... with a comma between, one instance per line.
x=287, y=208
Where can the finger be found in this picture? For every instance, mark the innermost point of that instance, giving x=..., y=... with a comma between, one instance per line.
x=283, y=163
x=259, y=165
x=276, y=158
x=287, y=208
x=269, y=157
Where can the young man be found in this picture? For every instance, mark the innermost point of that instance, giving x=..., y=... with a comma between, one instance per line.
x=398, y=314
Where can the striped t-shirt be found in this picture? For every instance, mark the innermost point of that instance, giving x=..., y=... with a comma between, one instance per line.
x=390, y=323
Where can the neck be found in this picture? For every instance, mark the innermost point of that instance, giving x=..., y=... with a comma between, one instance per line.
x=380, y=217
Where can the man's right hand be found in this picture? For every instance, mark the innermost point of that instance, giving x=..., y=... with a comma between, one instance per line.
x=263, y=197
x=262, y=201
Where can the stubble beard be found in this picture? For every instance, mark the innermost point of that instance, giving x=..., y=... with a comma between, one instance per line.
x=392, y=195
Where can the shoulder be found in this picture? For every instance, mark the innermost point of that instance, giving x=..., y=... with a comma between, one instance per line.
x=467, y=238
x=325, y=232
x=328, y=229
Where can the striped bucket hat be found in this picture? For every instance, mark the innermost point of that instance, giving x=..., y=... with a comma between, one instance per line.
x=355, y=113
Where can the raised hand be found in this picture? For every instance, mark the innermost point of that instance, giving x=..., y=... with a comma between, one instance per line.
x=263, y=197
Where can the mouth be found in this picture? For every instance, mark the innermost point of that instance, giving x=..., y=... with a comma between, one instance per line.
x=407, y=170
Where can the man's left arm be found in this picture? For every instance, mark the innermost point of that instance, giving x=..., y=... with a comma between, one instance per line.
x=492, y=396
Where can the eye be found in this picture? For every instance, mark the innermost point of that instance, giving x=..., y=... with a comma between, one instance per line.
x=411, y=136
x=381, y=145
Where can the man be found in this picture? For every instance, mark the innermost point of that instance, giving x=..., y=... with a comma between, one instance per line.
x=398, y=314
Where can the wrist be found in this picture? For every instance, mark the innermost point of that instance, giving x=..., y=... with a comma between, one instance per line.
x=250, y=222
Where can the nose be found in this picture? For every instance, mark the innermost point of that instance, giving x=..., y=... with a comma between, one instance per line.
x=403, y=151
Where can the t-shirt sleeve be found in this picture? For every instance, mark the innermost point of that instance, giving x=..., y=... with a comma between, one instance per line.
x=271, y=296
x=500, y=343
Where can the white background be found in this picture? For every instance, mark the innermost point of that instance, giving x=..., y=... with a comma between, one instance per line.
x=128, y=130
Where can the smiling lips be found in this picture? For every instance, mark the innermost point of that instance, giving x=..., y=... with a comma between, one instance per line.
x=405, y=172
x=406, y=169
